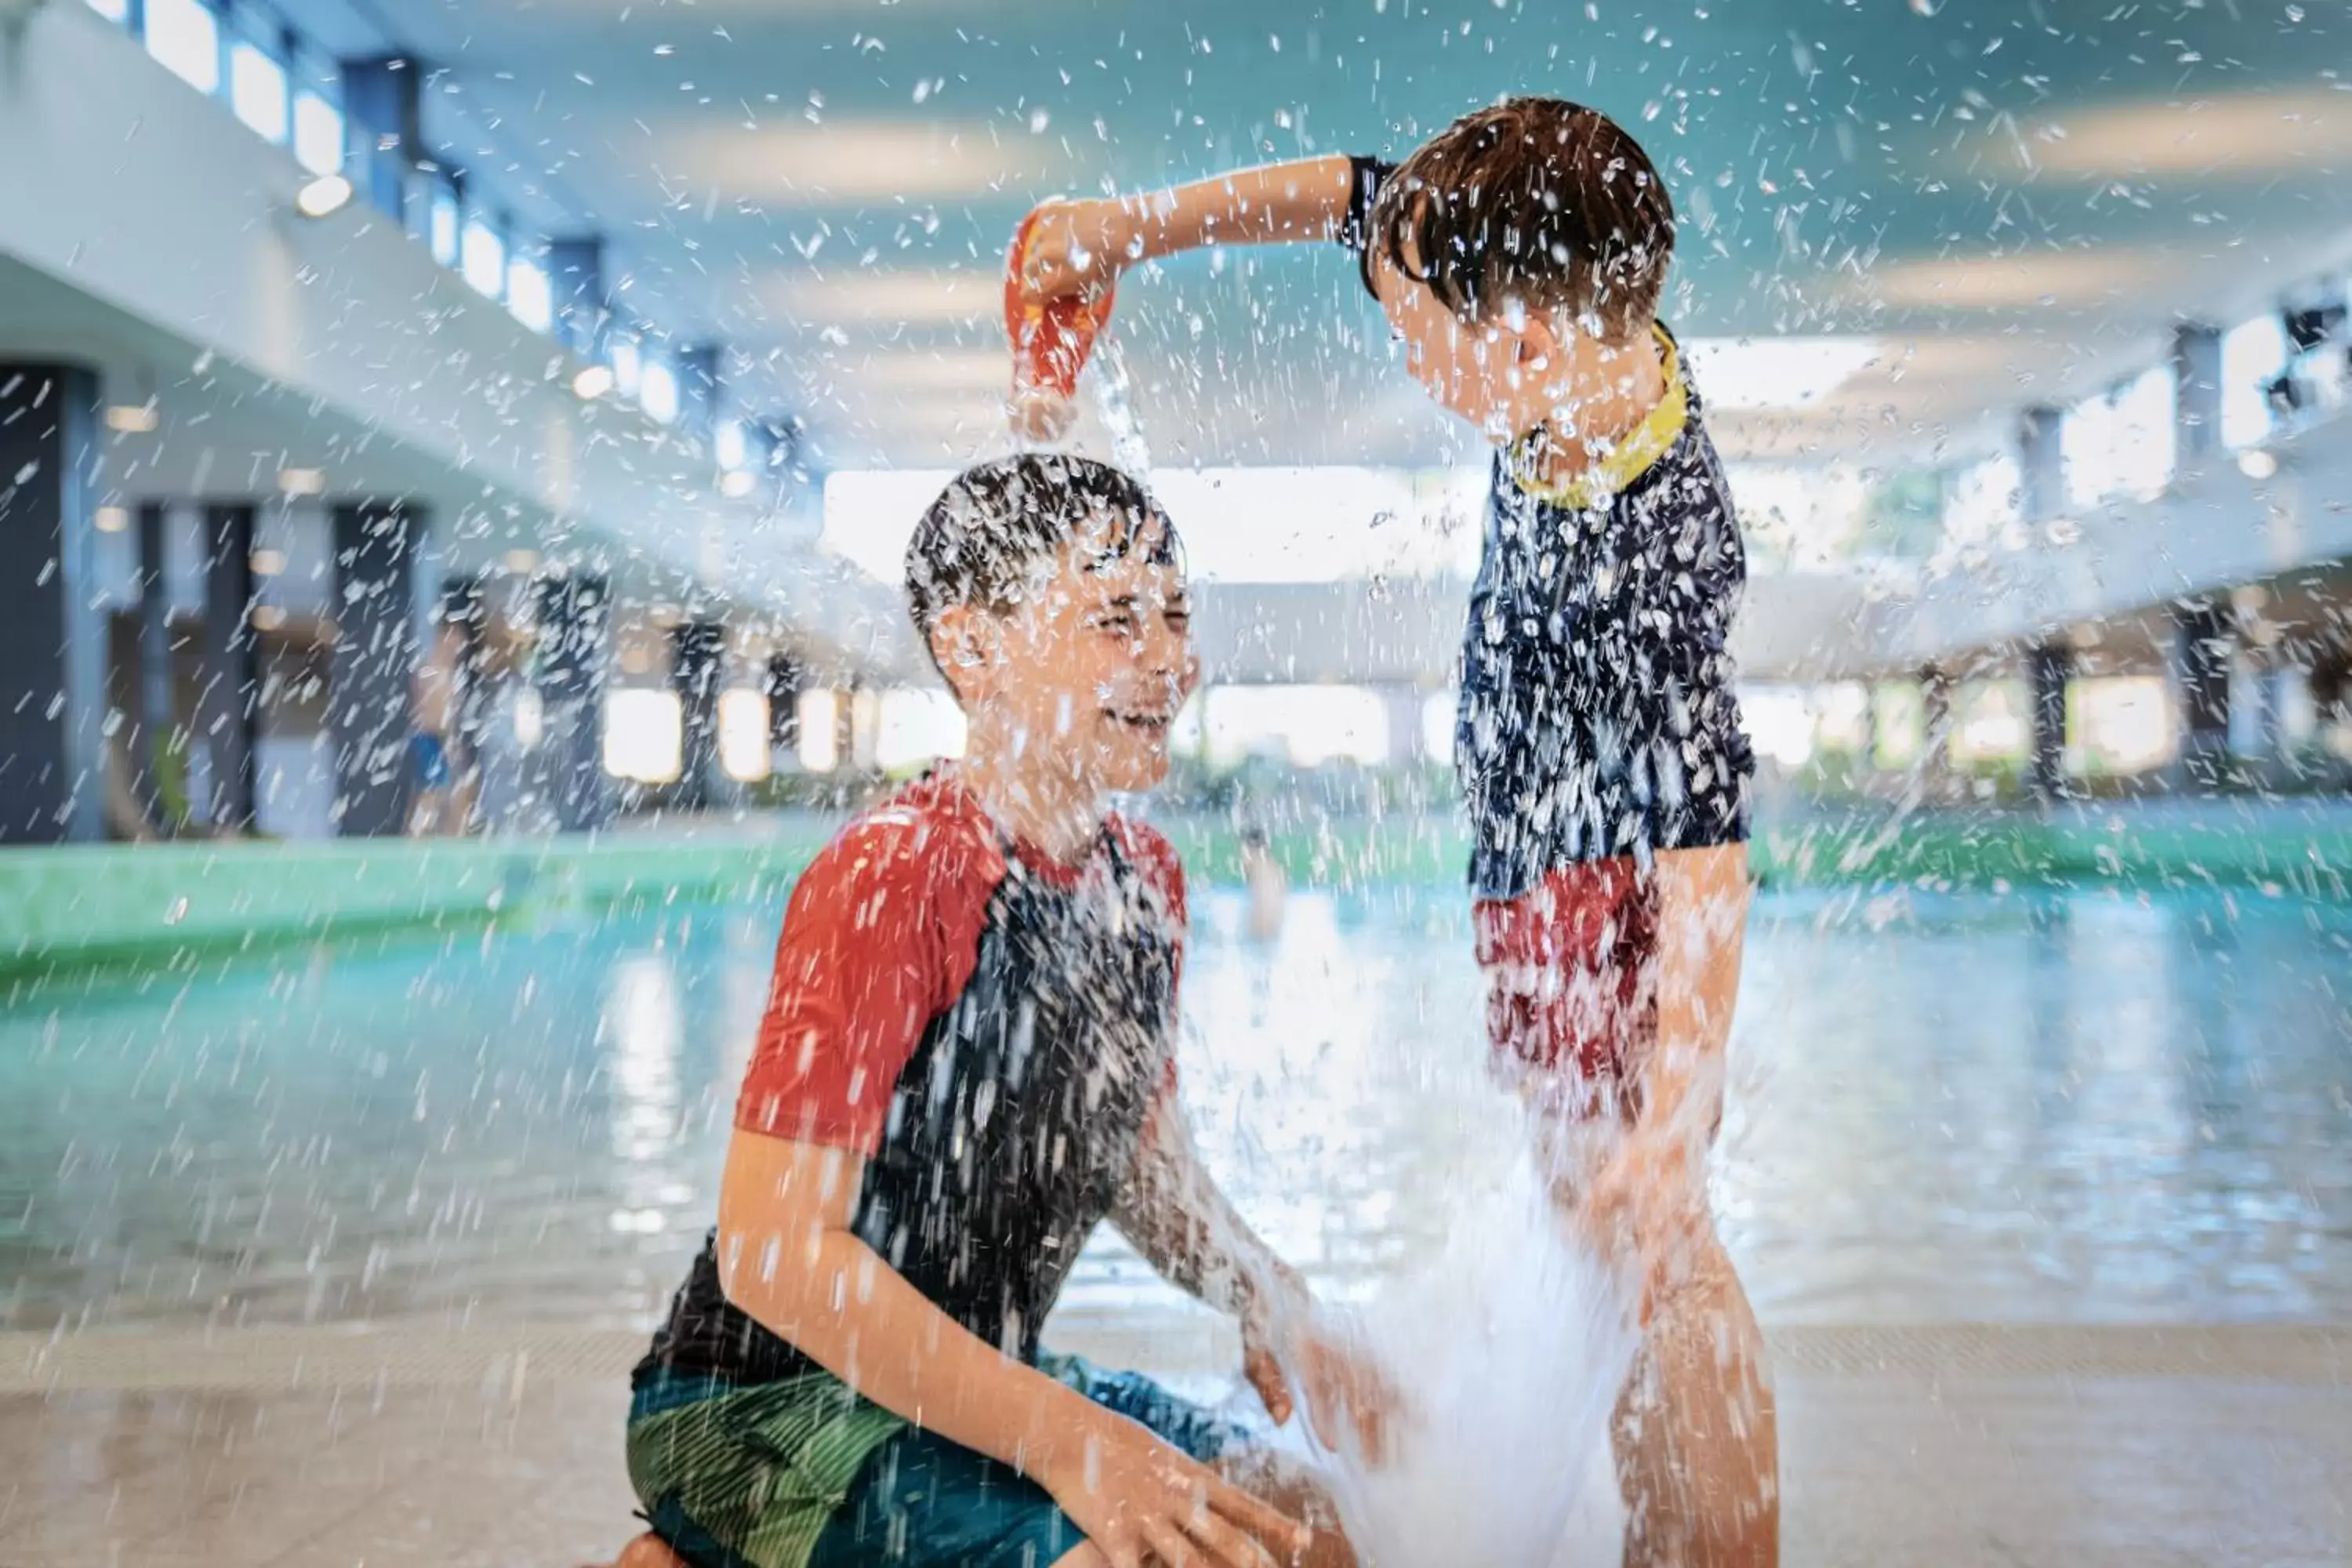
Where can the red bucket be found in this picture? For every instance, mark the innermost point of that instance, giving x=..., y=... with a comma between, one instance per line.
x=1052, y=338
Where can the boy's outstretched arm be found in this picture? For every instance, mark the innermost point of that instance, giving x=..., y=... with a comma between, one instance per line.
x=788, y=1258
x=1077, y=246
x=1186, y=1228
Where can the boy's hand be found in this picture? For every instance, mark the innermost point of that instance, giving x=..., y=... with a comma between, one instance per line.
x=1348, y=1392
x=1141, y=1501
x=1643, y=1202
x=1076, y=247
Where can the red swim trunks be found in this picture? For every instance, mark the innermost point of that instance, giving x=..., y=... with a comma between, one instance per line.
x=1572, y=971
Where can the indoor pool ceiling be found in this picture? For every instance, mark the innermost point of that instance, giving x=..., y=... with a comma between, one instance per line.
x=2015, y=199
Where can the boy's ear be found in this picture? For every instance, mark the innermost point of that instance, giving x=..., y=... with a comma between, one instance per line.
x=965, y=644
x=1543, y=336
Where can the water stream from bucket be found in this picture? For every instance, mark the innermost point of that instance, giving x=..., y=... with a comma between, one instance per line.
x=1115, y=401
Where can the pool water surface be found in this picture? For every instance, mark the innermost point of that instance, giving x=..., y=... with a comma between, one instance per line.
x=2083, y=1108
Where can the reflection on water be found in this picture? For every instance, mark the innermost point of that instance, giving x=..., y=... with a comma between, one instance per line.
x=2095, y=1108
x=644, y=1023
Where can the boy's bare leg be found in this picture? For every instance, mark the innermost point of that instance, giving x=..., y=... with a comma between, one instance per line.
x=1697, y=1439
x=1699, y=1446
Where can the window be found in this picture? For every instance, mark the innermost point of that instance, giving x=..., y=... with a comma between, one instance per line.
x=644, y=735
x=185, y=37
x=1800, y=517
x=441, y=225
x=1309, y=725
x=2122, y=724
x=2148, y=432
x=2083, y=439
x=1989, y=721
x=729, y=445
x=917, y=724
x=1898, y=717
x=819, y=748
x=2122, y=442
x=484, y=256
x=658, y=392
x=1981, y=501
x=256, y=90
x=1438, y=713
x=318, y=133
x=530, y=717
x=1781, y=723
x=2253, y=355
x=743, y=754
x=628, y=367
x=112, y=10
x=527, y=295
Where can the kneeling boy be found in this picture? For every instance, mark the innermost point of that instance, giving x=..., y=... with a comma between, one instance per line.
x=965, y=1064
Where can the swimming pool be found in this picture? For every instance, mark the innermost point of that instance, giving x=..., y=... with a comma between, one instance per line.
x=2084, y=1107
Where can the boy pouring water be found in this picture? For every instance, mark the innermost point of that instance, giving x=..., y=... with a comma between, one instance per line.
x=1519, y=257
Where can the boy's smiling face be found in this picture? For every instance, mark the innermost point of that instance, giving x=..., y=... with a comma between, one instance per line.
x=1083, y=677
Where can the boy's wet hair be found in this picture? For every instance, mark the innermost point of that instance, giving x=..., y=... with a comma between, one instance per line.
x=1538, y=200
x=983, y=540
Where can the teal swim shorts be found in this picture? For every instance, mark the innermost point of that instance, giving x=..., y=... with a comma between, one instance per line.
x=805, y=1474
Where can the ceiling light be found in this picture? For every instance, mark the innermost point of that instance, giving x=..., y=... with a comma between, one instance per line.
x=134, y=418
x=521, y=562
x=114, y=519
x=2021, y=280
x=323, y=197
x=847, y=163
x=269, y=563
x=1775, y=373
x=302, y=482
x=2257, y=464
x=872, y=369
x=592, y=382
x=735, y=484
x=2244, y=133
x=893, y=298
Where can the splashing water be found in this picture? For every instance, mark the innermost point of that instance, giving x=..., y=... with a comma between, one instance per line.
x=1115, y=401
x=1510, y=1346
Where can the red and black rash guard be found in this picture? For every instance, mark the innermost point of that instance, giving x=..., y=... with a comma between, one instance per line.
x=988, y=1029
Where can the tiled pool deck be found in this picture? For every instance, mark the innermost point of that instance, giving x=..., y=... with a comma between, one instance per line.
x=2062, y=1446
